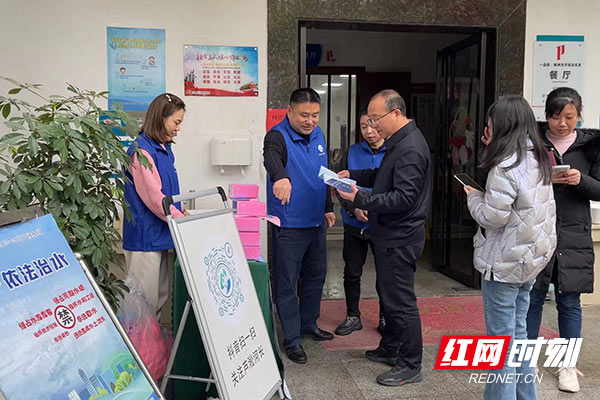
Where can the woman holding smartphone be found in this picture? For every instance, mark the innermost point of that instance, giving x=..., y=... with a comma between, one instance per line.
x=572, y=268
x=517, y=212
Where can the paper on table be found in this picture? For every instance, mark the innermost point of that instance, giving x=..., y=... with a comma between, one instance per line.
x=331, y=178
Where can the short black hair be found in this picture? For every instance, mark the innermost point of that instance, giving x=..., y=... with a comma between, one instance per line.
x=559, y=98
x=305, y=95
x=363, y=111
x=393, y=100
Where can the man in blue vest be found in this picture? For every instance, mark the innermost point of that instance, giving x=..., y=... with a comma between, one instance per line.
x=364, y=155
x=294, y=151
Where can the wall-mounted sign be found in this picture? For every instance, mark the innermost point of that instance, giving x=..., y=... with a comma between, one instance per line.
x=220, y=71
x=136, y=66
x=320, y=54
x=558, y=62
x=275, y=116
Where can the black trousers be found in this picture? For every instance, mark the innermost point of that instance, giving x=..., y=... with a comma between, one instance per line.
x=356, y=246
x=299, y=270
x=396, y=277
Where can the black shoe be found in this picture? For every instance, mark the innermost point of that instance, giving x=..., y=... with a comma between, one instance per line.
x=320, y=335
x=350, y=325
x=383, y=356
x=296, y=354
x=399, y=375
x=381, y=326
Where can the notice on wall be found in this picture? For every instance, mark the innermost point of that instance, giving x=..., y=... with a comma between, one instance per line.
x=136, y=66
x=275, y=116
x=220, y=71
x=558, y=62
x=58, y=341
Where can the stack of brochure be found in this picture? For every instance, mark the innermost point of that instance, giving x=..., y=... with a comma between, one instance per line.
x=331, y=178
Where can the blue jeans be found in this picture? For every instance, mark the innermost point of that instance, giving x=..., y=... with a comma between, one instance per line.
x=505, y=310
x=569, y=314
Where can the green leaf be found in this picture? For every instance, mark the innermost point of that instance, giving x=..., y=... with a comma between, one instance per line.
x=38, y=185
x=16, y=192
x=76, y=152
x=6, y=110
x=31, y=179
x=14, y=91
x=34, y=147
x=94, y=213
x=70, y=179
x=48, y=190
x=22, y=183
x=55, y=185
x=82, y=145
x=11, y=138
x=77, y=185
x=97, y=256
x=5, y=187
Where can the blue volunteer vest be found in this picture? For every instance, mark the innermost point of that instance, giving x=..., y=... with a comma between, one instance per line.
x=306, y=208
x=145, y=231
x=360, y=156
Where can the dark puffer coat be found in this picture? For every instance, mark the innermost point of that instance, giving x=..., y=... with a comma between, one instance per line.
x=574, y=255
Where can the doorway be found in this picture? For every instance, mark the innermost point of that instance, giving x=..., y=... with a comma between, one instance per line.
x=447, y=76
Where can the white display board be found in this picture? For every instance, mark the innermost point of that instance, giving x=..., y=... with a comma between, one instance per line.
x=558, y=62
x=226, y=306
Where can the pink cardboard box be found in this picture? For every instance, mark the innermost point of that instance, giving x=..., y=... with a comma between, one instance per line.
x=247, y=224
x=244, y=191
x=253, y=208
x=252, y=252
x=250, y=238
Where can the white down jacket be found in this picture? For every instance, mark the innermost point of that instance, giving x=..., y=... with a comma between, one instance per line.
x=518, y=214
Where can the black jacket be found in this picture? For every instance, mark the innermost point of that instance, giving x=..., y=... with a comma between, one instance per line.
x=574, y=254
x=400, y=201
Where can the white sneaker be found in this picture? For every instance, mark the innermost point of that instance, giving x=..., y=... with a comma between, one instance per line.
x=567, y=380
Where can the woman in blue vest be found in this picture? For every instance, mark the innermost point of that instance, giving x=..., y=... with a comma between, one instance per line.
x=146, y=236
x=364, y=155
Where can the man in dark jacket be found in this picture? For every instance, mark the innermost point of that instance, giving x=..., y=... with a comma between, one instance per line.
x=398, y=207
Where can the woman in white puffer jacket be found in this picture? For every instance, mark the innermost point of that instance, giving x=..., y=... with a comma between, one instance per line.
x=517, y=234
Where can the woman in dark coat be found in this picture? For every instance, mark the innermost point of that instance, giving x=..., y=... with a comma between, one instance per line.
x=571, y=270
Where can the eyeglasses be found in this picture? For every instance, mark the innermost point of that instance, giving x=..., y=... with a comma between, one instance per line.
x=373, y=122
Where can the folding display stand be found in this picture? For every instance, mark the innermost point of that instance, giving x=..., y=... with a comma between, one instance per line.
x=224, y=301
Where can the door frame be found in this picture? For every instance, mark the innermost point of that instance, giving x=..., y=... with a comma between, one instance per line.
x=442, y=197
x=488, y=38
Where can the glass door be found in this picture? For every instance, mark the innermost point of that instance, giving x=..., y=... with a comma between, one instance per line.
x=460, y=119
x=337, y=120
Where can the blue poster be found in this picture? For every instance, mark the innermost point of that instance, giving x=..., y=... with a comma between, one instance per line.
x=136, y=66
x=58, y=341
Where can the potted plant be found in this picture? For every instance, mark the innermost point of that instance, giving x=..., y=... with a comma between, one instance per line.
x=62, y=155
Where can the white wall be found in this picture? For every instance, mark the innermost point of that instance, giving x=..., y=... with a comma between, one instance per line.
x=385, y=51
x=576, y=17
x=65, y=41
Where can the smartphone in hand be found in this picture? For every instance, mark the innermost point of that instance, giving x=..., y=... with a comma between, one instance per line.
x=560, y=168
x=466, y=180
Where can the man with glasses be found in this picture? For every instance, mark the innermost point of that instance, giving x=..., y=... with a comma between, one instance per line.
x=294, y=150
x=397, y=207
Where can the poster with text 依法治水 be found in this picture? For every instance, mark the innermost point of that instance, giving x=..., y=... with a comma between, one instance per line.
x=58, y=341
